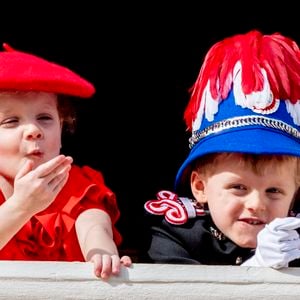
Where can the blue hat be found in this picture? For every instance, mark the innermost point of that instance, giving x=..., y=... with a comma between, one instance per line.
x=246, y=99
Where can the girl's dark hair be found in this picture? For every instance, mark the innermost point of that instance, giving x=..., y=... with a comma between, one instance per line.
x=67, y=113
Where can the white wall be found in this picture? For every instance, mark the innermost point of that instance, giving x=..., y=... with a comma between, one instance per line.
x=64, y=280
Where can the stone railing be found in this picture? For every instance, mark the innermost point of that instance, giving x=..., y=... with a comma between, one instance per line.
x=64, y=280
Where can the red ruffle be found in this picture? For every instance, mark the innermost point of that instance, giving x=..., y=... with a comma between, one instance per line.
x=50, y=235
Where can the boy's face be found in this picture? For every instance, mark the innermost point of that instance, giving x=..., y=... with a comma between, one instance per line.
x=30, y=129
x=240, y=201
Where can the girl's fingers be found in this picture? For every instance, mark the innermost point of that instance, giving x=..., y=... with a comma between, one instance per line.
x=53, y=165
x=59, y=181
x=27, y=167
x=126, y=260
x=57, y=175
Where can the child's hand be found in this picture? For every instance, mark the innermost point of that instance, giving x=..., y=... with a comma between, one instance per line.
x=35, y=189
x=106, y=265
x=277, y=244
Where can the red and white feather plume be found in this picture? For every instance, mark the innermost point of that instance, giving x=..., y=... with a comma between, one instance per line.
x=260, y=69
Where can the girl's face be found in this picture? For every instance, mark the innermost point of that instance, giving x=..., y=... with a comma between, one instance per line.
x=30, y=129
x=240, y=201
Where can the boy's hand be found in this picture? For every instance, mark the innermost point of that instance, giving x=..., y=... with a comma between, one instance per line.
x=277, y=244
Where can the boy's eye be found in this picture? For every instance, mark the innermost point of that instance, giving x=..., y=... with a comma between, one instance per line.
x=273, y=190
x=238, y=187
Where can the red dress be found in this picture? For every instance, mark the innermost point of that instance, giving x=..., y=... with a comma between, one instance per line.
x=50, y=234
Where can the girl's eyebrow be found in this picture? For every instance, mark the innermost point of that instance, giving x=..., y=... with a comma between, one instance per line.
x=6, y=111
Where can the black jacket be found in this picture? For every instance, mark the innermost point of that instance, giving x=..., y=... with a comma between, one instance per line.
x=195, y=242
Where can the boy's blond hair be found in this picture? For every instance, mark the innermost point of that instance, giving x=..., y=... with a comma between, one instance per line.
x=207, y=164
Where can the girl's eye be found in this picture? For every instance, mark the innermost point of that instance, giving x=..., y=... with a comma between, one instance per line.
x=45, y=117
x=9, y=122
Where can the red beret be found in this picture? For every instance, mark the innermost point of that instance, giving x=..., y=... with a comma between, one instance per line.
x=27, y=72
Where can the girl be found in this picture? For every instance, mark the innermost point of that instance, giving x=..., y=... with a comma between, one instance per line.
x=50, y=209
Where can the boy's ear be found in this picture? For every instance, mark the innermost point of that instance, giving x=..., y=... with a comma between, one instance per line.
x=198, y=187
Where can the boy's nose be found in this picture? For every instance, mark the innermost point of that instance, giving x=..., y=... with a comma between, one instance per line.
x=255, y=202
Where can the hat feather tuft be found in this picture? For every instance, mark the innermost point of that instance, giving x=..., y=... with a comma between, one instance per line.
x=277, y=55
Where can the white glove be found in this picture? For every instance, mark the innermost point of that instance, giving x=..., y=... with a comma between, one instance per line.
x=277, y=244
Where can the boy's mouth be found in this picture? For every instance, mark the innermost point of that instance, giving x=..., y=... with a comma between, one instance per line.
x=252, y=221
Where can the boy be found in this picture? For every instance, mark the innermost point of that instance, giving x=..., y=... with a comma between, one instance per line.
x=242, y=173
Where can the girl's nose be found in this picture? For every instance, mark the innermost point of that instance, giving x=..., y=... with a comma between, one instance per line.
x=33, y=132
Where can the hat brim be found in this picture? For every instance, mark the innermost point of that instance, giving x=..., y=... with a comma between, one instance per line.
x=26, y=72
x=255, y=140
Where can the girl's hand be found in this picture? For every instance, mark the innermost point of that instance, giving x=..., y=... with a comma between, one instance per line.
x=106, y=265
x=35, y=190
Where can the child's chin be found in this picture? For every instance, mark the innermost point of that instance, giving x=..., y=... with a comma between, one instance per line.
x=246, y=244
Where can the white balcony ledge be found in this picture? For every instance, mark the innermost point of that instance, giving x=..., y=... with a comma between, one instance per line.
x=65, y=280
